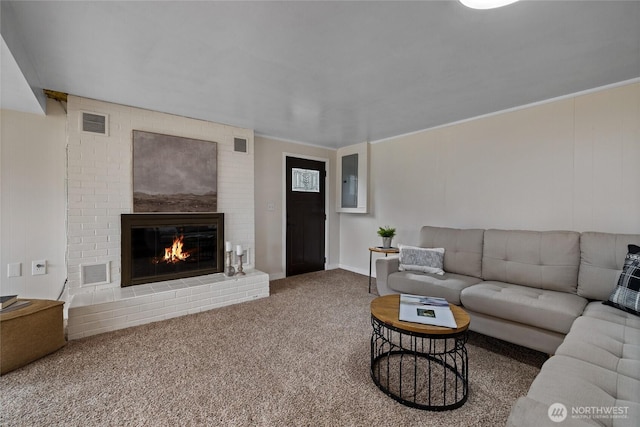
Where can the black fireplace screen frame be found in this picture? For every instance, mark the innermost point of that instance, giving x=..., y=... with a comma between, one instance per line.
x=130, y=221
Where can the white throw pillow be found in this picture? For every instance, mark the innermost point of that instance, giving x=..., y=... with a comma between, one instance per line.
x=426, y=260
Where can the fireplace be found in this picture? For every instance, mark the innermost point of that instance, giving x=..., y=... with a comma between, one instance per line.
x=158, y=247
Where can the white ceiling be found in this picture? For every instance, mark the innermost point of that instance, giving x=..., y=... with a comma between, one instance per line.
x=325, y=73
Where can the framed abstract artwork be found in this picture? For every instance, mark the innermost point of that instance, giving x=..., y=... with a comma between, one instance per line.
x=174, y=174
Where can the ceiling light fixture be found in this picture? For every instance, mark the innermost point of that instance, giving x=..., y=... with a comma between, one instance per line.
x=486, y=4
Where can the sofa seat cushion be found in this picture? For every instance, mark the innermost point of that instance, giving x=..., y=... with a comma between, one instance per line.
x=447, y=286
x=606, y=344
x=579, y=384
x=551, y=310
x=598, y=310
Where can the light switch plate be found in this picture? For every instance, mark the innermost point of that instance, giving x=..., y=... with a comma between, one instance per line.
x=14, y=269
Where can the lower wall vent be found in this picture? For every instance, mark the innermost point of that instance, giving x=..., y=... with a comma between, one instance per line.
x=95, y=274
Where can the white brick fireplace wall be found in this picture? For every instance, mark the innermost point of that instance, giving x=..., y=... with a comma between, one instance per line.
x=100, y=187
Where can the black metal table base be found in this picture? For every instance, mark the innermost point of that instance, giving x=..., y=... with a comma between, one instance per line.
x=425, y=371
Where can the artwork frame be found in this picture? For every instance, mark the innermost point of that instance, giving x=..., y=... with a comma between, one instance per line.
x=174, y=173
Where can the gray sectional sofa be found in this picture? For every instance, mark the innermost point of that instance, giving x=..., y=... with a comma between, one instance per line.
x=542, y=290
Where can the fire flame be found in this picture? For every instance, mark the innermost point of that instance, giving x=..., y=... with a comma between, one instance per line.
x=174, y=253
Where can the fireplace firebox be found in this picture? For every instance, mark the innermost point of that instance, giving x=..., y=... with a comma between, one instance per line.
x=158, y=247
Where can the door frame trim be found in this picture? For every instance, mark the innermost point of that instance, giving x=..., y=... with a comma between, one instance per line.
x=284, y=206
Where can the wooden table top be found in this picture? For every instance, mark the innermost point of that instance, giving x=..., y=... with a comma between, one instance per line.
x=384, y=250
x=387, y=308
x=34, y=306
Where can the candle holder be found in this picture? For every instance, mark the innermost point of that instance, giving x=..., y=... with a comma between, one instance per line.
x=240, y=272
x=230, y=271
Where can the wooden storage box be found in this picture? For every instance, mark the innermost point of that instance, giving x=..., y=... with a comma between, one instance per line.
x=29, y=333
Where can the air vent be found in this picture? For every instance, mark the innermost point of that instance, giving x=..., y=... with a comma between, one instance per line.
x=95, y=274
x=95, y=123
x=240, y=145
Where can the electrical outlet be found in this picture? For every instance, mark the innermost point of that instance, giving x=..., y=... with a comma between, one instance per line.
x=38, y=267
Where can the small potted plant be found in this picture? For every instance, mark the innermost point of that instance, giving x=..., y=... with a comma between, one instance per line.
x=387, y=234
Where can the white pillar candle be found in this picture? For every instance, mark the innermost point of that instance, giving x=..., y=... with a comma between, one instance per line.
x=227, y=247
x=239, y=250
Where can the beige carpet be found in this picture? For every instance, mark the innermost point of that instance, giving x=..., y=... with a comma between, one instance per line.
x=297, y=358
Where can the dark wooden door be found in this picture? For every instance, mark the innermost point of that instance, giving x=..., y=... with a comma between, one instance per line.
x=306, y=215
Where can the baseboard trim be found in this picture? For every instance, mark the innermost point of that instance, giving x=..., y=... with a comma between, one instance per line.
x=364, y=272
x=277, y=276
x=283, y=275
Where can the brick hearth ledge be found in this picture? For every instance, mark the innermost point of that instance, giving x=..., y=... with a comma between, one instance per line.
x=117, y=308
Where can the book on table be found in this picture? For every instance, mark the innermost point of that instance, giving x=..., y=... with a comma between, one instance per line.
x=426, y=310
x=15, y=306
x=7, y=300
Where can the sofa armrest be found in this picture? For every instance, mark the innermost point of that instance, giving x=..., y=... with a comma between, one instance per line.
x=384, y=267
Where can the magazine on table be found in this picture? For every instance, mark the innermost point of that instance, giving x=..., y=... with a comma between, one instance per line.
x=427, y=310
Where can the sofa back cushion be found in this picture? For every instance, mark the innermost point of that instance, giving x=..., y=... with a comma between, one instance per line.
x=539, y=259
x=462, y=248
x=601, y=261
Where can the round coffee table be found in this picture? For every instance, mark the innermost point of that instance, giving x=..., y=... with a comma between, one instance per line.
x=418, y=365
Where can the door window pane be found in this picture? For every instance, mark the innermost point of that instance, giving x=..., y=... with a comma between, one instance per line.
x=306, y=180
